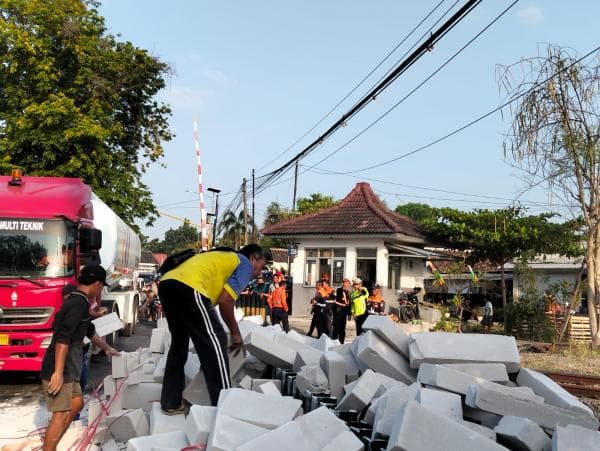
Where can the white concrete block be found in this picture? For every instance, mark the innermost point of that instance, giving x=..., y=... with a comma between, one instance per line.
x=269, y=388
x=324, y=343
x=346, y=441
x=228, y=433
x=270, y=352
x=119, y=365
x=389, y=406
x=256, y=383
x=147, y=356
x=265, y=411
x=141, y=396
x=552, y=393
x=522, y=433
x=362, y=392
x=109, y=385
x=307, y=356
x=575, y=438
x=149, y=368
x=486, y=419
x=256, y=319
x=293, y=335
x=380, y=357
x=442, y=402
x=111, y=445
x=352, y=370
x=354, y=351
x=236, y=362
x=311, y=378
x=107, y=324
x=115, y=403
x=417, y=428
x=159, y=371
x=196, y=392
x=246, y=383
x=160, y=423
x=252, y=365
x=162, y=442
x=247, y=327
x=320, y=426
x=94, y=410
x=191, y=368
x=132, y=360
x=447, y=378
x=289, y=436
x=139, y=376
x=389, y=331
x=502, y=400
x=129, y=425
x=199, y=423
x=485, y=431
x=334, y=367
x=157, y=340
x=493, y=372
x=442, y=347
x=162, y=323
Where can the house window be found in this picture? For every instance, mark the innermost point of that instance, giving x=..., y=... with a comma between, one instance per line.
x=324, y=263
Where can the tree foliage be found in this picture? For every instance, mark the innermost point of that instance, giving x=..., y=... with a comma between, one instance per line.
x=555, y=138
x=233, y=232
x=276, y=213
x=500, y=236
x=417, y=211
x=314, y=202
x=76, y=102
x=175, y=240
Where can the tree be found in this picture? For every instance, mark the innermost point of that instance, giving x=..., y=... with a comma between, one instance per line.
x=315, y=202
x=555, y=138
x=273, y=214
x=417, y=211
x=176, y=240
x=232, y=229
x=276, y=213
x=500, y=236
x=76, y=102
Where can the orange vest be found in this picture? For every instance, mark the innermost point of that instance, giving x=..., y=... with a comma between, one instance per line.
x=278, y=299
x=325, y=292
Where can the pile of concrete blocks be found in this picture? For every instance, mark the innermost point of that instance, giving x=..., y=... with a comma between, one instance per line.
x=385, y=390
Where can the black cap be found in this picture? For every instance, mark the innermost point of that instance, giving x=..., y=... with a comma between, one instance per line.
x=376, y=286
x=94, y=272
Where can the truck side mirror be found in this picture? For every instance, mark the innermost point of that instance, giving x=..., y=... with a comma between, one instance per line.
x=90, y=240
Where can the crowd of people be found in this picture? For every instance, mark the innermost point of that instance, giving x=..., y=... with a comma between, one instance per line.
x=332, y=308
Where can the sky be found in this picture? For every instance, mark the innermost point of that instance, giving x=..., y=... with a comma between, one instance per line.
x=257, y=75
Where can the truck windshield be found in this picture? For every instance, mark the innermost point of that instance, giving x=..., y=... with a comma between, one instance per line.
x=36, y=248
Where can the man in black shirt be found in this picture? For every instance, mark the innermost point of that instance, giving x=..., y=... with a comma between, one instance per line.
x=61, y=366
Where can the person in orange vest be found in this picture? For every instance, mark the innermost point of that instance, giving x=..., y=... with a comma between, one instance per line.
x=375, y=303
x=278, y=305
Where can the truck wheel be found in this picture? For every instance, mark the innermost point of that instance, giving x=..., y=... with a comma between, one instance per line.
x=111, y=339
x=130, y=328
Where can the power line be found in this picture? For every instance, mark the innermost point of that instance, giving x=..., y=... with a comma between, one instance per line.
x=363, y=80
x=263, y=187
x=387, y=182
x=426, y=46
x=433, y=74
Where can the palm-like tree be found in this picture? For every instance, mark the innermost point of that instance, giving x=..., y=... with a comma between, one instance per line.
x=232, y=228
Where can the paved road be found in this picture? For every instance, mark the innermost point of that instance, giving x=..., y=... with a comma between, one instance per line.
x=22, y=406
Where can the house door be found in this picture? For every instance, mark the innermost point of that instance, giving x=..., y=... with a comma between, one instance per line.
x=366, y=266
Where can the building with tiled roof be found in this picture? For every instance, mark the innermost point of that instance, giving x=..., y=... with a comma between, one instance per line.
x=360, y=237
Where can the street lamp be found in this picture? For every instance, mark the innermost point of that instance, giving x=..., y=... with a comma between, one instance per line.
x=216, y=192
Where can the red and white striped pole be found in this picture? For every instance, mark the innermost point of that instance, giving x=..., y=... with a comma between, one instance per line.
x=203, y=228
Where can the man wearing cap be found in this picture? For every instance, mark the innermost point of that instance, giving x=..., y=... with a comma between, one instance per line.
x=358, y=303
x=61, y=366
x=189, y=294
x=375, y=303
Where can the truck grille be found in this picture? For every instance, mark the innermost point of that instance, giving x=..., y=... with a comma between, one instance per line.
x=25, y=315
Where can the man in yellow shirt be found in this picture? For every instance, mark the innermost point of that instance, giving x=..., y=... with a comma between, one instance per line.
x=188, y=294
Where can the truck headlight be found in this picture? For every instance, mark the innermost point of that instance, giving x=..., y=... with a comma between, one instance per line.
x=46, y=342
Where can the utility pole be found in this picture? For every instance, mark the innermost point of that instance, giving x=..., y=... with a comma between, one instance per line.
x=253, y=221
x=216, y=192
x=245, y=212
x=295, y=187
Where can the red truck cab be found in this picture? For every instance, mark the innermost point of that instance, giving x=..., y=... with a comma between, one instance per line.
x=41, y=220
